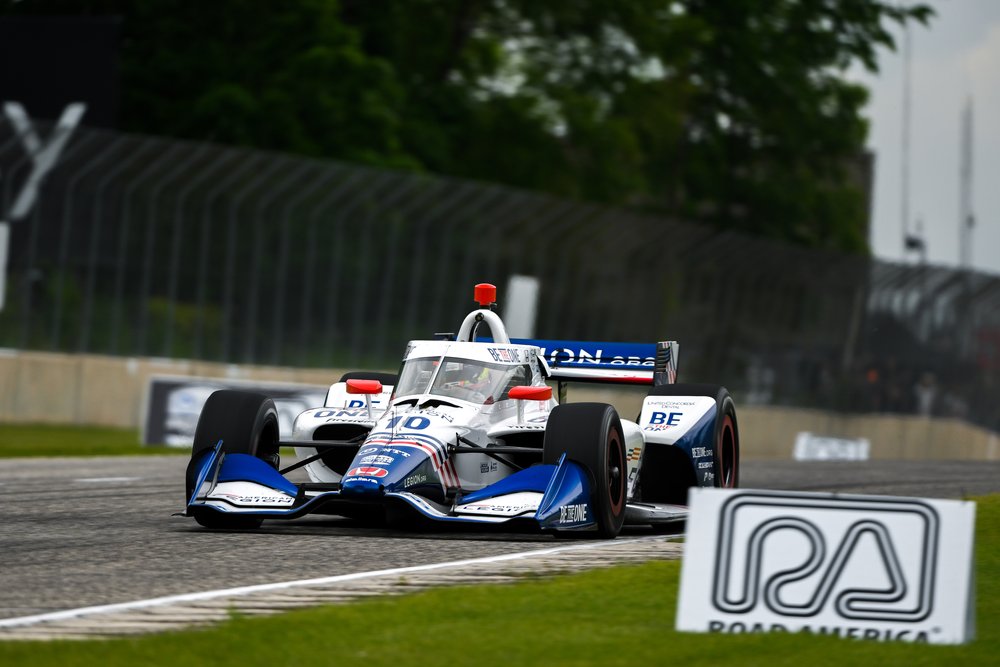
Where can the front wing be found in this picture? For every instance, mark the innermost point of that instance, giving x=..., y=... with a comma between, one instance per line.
x=547, y=497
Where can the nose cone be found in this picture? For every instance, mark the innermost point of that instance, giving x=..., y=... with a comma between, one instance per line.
x=364, y=481
x=400, y=456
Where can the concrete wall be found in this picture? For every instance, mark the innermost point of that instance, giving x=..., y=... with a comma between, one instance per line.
x=47, y=388
x=768, y=432
x=110, y=391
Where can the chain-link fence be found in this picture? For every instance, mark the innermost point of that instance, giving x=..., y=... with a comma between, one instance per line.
x=152, y=247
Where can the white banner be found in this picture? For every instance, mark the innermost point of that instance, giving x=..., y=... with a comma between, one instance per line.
x=4, y=245
x=864, y=567
x=812, y=447
x=174, y=403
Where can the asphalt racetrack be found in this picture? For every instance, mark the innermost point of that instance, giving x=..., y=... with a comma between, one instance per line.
x=82, y=532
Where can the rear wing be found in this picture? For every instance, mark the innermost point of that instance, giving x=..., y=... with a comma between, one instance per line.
x=614, y=363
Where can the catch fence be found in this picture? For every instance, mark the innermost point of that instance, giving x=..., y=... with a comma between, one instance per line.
x=145, y=246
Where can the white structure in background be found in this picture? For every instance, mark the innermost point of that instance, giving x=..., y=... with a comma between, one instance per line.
x=966, y=216
x=812, y=447
x=44, y=156
x=521, y=306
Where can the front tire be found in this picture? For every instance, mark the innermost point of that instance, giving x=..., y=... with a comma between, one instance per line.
x=591, y=435
x=247, y=423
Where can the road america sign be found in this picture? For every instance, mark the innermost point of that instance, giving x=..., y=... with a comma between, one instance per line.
x=865, y=567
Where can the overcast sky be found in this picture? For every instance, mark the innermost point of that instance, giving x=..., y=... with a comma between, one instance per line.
x=956, y=57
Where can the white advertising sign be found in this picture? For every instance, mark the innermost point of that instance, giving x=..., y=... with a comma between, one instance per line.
x=863, y=567
x=812, y=447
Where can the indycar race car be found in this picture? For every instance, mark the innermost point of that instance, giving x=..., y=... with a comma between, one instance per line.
x=469, y=432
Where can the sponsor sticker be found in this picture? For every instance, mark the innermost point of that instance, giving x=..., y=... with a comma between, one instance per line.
x=380, y=459
x=668, y=420
x=669, y=404
x=396, y=452
x=509, y=505
x=864, y=567
x=366, y=471
x=657, y=418
x=505, y=355
x=564, y=355
x=265, y=499
x=413, y=480
x=440, y=415
x=490, y=508
x=572, y=514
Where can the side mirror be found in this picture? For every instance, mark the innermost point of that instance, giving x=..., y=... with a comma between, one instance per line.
x=364, y=387
x=531, y=393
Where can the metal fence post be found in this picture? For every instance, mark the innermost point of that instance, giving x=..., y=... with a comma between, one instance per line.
x=204, y=244
x=281, y=278
x=229, y=281
x=64, y=240
x=178, y=170
x=175, y=250
x=96, y=226
x=118, y=299
x=312, y=249
x=256, y=263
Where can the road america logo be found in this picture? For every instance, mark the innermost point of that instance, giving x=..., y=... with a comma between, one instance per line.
x=367, y=471
x=743, y=581
x=862, y=567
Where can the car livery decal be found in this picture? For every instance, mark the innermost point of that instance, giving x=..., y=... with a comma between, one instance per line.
x=367, y=471
x=435, y=449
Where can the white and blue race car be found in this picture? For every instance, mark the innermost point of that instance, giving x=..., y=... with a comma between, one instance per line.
x=470, y=432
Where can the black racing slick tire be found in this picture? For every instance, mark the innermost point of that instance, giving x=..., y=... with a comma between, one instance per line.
x=591, y=435
x=726, y=437
x=246, y=423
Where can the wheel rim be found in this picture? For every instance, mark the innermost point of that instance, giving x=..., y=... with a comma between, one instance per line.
x=616, y=472
x=267, y=443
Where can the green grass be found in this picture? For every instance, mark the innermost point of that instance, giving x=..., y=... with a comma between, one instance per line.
x=619, y=616
x=18, y=440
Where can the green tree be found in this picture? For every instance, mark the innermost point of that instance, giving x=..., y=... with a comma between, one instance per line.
x=732, y=112
x=286, y=76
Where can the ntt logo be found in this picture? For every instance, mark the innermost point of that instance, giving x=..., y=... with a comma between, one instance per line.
x=858, y=567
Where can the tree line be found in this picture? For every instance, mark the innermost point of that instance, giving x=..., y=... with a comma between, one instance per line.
x=737, y=112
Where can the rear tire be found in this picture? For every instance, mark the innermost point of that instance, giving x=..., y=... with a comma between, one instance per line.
x=591, y=434
x=247, y=423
